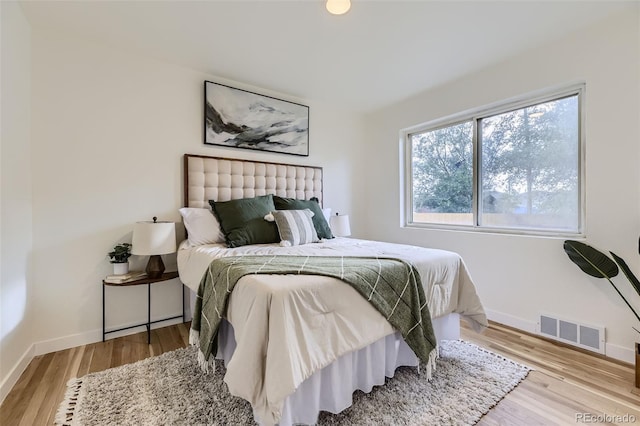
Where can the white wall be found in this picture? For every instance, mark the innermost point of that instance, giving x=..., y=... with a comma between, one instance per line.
x=16, y=335
x=518, y=277
x=109, y=128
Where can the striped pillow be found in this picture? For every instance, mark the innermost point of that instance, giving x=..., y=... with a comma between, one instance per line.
x=295, y=227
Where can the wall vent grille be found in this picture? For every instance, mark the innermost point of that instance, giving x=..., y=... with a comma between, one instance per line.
x=586, y=336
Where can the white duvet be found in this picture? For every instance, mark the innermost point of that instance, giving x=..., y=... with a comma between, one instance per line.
x=289, y=326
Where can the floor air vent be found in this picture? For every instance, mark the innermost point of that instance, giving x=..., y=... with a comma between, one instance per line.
x=568, y=331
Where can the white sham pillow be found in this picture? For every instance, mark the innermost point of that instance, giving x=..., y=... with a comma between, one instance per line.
x=202, y=226
x=327, y=213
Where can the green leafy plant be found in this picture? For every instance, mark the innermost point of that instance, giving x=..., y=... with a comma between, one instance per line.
x=120, y=253
x=599, y=265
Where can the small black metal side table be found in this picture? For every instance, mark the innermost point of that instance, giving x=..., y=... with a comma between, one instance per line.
x=148, y=281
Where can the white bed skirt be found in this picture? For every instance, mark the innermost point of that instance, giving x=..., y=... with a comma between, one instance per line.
x=331, y=389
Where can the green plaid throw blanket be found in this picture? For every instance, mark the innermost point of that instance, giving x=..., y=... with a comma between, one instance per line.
x=392, y=286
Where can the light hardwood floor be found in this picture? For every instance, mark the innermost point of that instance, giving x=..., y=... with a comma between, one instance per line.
x=565, y=383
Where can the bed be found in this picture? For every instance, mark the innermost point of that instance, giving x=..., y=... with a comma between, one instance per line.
x=297, y=345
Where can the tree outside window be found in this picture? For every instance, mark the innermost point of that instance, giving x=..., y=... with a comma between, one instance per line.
x=527, y=174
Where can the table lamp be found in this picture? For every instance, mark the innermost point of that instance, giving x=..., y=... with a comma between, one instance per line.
x=154, y=239
x=340, y=225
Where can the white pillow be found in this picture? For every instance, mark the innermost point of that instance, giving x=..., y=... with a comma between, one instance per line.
x=202, y=226
x=327, y=213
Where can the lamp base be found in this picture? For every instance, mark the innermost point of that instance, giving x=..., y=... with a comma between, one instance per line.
x=155, y=267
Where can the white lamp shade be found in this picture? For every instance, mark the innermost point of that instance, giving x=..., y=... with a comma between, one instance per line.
x=151, y=238
x=340, y=225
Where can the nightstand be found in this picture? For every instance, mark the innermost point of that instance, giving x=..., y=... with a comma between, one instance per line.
x=148, y=281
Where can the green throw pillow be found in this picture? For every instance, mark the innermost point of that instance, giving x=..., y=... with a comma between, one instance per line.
x=319, y=222
x=243, y=223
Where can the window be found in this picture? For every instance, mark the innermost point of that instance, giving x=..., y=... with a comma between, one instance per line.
x=514, y=167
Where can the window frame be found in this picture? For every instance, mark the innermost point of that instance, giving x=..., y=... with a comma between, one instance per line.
x=474, y=116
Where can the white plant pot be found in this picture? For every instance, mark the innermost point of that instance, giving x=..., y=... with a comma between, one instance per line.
x=120, y=268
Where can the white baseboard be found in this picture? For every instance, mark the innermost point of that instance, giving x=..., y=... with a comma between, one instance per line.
x=12, y=378
x=512, y=321
x=620, y=353
x=67, y=342
x=94, y=336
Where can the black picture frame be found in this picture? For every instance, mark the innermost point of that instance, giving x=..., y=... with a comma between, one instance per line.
x=241, y=119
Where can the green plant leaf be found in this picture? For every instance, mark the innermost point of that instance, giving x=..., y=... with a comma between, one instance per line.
x=625, y=268
x=590, y=260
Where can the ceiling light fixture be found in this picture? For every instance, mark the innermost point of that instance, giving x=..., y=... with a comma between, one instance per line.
x=338, y=7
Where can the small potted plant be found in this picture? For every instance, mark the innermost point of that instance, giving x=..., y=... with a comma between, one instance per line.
x=120, y=258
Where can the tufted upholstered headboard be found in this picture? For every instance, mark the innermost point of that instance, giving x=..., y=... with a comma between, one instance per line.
x=223, y=179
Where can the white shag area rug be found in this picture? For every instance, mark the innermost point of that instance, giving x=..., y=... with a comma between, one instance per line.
x=171, y=389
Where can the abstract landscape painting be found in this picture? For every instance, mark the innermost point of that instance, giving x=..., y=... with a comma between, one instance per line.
x=241, y=119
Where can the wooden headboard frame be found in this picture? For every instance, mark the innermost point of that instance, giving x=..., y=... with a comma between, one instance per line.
x=222, y=179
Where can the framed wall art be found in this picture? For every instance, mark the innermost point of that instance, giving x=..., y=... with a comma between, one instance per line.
x=241, y=119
